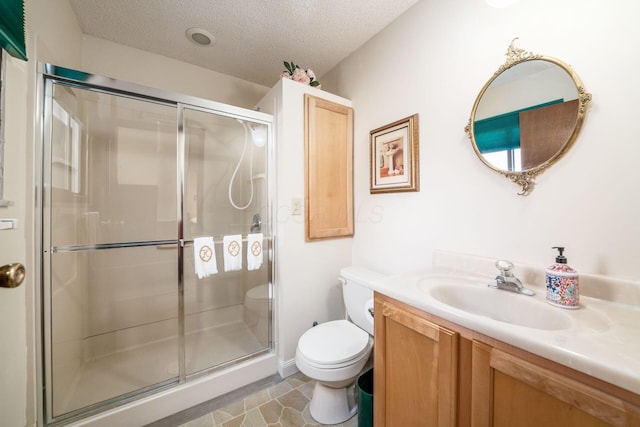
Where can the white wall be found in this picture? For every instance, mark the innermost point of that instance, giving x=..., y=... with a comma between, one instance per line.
x=433, y=61
x=13, y=329
x=306, y=285
x=54, y=27
x=133, y=65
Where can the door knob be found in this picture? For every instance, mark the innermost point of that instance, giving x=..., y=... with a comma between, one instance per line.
x=11, y=275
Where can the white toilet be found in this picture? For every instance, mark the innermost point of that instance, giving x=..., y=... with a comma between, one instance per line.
x=334, y=353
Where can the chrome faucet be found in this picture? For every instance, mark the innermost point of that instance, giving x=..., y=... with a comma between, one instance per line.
x=507, y=281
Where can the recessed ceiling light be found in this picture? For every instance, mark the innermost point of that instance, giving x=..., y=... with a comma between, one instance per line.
x=200, y=36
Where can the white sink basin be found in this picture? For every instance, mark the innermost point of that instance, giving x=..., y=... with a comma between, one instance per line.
x=499, y=305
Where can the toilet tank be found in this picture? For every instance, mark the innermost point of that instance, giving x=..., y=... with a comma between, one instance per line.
x=358, y=296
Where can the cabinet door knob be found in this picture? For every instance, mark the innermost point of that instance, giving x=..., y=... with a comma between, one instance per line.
x=11, y=275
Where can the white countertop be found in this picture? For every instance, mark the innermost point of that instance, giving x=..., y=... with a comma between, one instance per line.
x=602, y=339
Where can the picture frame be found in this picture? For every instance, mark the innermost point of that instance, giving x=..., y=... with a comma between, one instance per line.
x=394, y=157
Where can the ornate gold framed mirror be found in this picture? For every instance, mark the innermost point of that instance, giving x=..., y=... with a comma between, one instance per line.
x=527, y=116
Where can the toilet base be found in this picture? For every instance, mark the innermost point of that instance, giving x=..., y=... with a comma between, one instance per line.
x=332, y=405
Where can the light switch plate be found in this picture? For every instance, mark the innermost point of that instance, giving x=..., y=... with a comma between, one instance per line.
x=296, y=206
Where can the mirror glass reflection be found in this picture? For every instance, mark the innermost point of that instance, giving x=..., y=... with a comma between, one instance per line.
x=526, y=115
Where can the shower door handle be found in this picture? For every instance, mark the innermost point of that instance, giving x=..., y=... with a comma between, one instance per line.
x=11, y=275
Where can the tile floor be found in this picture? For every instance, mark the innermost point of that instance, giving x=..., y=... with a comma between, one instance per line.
x=278, y=403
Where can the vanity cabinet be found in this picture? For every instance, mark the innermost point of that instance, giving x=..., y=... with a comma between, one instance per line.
x=511, y=391
x=415, y=368
x=431, y=372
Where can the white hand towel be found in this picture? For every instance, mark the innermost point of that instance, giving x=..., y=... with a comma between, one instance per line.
x=254, y=251
x=232, y=248
x=204, y=255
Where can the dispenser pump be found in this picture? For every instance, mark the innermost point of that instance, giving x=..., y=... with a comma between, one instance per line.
x=563, y=289
x=560, y=259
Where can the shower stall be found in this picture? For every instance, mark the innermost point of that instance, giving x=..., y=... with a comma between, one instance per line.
x=130, y=177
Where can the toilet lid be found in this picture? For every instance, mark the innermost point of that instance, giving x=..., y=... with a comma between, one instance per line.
x=333, y=342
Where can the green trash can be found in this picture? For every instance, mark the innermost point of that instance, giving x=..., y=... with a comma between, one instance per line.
x=365, y=399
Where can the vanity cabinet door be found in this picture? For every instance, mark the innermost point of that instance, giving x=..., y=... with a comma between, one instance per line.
x=509, y=391
x=415, y=368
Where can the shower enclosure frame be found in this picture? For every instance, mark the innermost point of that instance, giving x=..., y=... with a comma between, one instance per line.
x=48, y=75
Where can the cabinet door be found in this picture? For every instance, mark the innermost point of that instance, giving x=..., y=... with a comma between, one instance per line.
x=415, y=369
x=508, y=391
x=328, y=169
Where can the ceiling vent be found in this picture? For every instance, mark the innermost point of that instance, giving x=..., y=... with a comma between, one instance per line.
x=200, y=36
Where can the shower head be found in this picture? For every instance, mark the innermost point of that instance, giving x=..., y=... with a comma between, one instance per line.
x=258, y=132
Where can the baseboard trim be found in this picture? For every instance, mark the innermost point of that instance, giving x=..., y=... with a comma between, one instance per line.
x=287, y=367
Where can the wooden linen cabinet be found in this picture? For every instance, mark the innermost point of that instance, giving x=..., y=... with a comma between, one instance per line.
x=328, y=129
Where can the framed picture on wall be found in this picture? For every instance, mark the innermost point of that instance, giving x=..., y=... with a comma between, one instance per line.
x=394, y=159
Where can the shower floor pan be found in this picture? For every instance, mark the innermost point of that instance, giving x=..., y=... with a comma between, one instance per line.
x=128, y=370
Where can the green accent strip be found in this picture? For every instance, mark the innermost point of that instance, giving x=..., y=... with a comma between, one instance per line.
x=12, y=28
x=502, y=132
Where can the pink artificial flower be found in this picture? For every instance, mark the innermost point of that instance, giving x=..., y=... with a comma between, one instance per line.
x=311, y=74
x=300, y=76
x=285, y=75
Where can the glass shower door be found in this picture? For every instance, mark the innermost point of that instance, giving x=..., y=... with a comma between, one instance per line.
x=227, y=314
x=110, y=251
x=130, y=177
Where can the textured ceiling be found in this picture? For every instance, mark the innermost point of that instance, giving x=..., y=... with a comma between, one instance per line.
x=253, y=37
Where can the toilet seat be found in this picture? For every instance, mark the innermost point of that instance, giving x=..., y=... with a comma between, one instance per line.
x=334, y=344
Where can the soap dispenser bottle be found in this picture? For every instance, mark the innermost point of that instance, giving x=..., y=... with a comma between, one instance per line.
x=562, y=283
